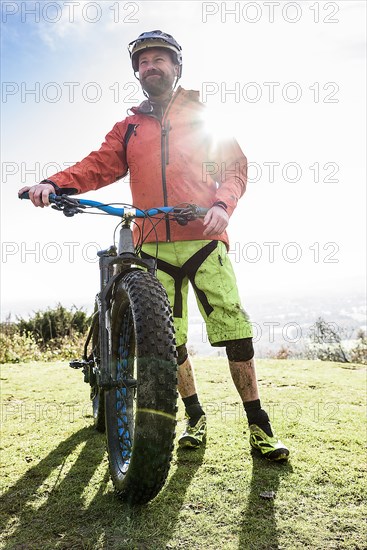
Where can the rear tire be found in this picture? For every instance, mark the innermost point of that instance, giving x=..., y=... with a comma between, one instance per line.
x=98, y=409
x=96, y=393
x=141, y=415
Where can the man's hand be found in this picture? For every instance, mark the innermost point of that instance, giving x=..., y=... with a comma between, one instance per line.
x=39, y=193
x=215, y=221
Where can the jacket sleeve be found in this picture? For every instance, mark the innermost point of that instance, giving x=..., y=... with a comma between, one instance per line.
x=99, y=168
x=231, y=175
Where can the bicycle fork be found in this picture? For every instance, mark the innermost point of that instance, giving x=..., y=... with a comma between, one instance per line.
x=113, y=266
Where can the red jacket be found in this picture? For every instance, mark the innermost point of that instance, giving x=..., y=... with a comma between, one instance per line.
x=170, y=162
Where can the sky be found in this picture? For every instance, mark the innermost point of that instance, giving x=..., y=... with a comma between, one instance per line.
x=287, y=79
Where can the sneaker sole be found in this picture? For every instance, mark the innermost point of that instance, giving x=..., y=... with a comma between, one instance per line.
x=273, y=456
x=188, y=441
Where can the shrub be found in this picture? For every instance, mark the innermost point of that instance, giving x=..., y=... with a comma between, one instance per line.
x=358, y=353
x=326, y=342
x=17, y=348
x=8, y=327
x=55, y=323
x=22, y=348
x=64, y=349
x=54, y=334
x=282, y=353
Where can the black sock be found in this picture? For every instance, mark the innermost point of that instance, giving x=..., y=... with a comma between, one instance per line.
x=257, y=415
x=193, y=408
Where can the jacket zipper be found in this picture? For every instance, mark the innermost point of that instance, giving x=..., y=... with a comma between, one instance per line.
x=164, y=138
x=165, y=128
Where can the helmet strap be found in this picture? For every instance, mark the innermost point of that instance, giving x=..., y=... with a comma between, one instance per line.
x=175, y=82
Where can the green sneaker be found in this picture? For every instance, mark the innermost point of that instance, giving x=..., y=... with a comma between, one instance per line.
x=271, y=448
x=193, y=436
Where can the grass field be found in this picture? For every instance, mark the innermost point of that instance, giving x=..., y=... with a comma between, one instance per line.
x=57, y=493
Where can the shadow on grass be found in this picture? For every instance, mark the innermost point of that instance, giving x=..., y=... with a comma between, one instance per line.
x=258, y=526
x=58, y=514
x=41, y=510
x=152, y=525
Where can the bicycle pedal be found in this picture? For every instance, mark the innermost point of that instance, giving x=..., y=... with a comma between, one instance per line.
x=78, y=364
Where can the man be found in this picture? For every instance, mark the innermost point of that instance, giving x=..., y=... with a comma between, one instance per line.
x=172, y=160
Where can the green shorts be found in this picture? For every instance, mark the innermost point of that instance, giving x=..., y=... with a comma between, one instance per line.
x=208, y=268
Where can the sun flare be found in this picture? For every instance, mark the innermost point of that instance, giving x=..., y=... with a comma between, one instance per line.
x=218, y=122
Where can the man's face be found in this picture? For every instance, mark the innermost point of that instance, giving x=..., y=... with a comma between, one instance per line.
x=157, y=72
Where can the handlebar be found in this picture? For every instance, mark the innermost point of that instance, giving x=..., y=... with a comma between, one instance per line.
x=71, y=206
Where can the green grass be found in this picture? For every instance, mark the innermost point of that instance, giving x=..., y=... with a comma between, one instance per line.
x=57, y=493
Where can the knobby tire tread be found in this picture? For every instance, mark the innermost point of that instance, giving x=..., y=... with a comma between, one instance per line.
x=156, y=394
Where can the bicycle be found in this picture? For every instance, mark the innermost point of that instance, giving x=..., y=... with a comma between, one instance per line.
x=131, y=367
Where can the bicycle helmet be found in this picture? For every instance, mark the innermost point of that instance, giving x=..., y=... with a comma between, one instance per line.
x=155, y=39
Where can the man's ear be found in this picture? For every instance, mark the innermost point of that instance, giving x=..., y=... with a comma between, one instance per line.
x=177, y=68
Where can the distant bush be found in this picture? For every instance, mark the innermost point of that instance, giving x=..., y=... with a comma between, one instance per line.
x=328, y=343
x=17, y=348
x=282, y=353
x=358, y=353
x=54, y=334
x=54, y=323
x=64, y=349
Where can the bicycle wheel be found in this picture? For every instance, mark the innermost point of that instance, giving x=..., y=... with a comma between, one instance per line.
x=141, y=414
x=96, y=393
x=97, y=397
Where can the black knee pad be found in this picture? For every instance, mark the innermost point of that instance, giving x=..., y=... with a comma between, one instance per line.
x=182, y=354
x=240, y=350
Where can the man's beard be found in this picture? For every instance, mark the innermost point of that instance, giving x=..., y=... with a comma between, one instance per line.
x=157, y=86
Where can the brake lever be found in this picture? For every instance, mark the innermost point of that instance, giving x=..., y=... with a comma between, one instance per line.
x=186, y=215
x=68, y=206
x=67, y=210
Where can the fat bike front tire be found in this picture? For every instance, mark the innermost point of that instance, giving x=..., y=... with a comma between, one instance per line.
x=141, y=412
